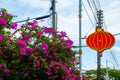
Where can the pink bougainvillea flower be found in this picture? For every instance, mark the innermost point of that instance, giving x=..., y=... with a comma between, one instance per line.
x=30, y=49
x=63, y=34
x=70, y=42
x=38, y=64
x=39, y=33
x=14, y=25
x=0, y=13
x=36, y=47
x=21, y=43
x=1, y=37
x=44, y=45
x=7, y=15
x=1, y=65
x=32, y=25
x=67, y=70
x=27, y=37
x=46, y=51
x=26, y=74
x=23, y=52
x=48, y=30
x=31, y=57
x=6, y=71
x=3, y=22
x=14, y=54
x=69, y=46
x=22, y=26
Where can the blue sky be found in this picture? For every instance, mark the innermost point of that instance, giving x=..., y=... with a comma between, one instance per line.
x=68, y=21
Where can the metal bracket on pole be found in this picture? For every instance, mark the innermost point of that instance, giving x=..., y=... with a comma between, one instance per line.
x=37, y=18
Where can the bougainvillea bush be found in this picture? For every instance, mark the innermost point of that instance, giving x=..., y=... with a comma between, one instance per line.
x=32, y=52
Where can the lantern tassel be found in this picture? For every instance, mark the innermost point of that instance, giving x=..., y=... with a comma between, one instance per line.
x=100, y=54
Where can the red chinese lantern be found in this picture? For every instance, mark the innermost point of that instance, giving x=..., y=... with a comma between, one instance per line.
x=100, y=40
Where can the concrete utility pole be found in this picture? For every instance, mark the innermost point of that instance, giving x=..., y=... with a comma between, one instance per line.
x=98, y=67
x=80, y=31
x=100, y=23
x=53, y=8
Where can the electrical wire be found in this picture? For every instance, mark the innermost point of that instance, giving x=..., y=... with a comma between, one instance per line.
x=116, y=34
x=104, y=23
x=93, y=25
x=98, y=1
x=92, y=10
x=87, y=14
x=95, y=5
x=114, y=58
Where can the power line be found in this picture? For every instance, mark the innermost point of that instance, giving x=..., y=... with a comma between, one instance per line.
x=114, y=58
x=98, y=1
x=104, y=23
x=37, y=18
x=99, y=7
x=92, y=10
x=116, y=34
x=95, y=5
x=93, y=25
x=87, y=14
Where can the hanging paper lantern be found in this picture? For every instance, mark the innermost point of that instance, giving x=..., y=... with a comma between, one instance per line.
x=100, y=40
